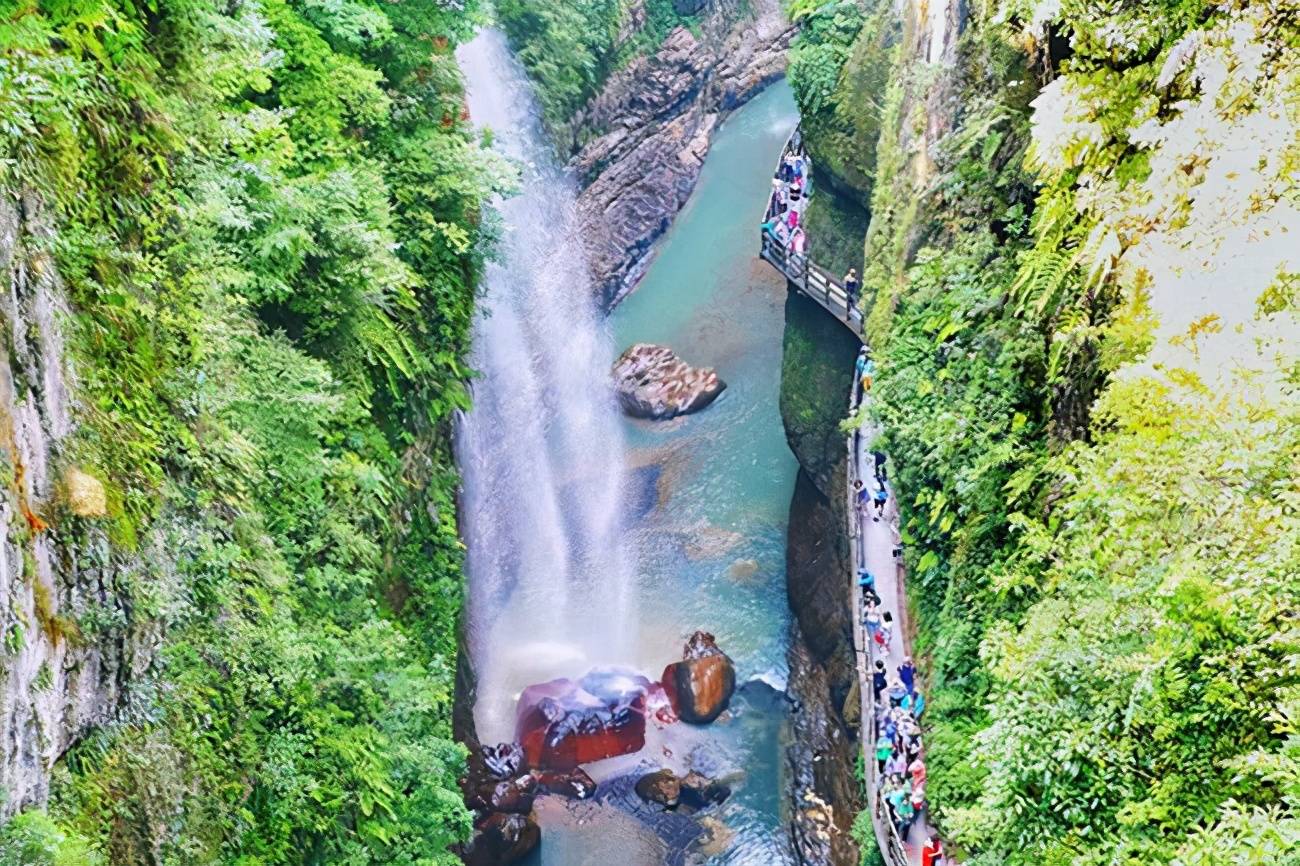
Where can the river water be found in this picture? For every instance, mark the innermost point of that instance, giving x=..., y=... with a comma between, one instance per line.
x=695, y=507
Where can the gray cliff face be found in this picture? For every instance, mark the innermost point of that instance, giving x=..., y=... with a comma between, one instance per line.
x=68, y=651
x=640, y=143
x=817, y=363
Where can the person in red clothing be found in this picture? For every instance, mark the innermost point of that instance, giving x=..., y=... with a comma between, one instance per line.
x=932, y=853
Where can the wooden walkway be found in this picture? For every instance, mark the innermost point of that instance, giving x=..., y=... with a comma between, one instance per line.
x=801, y=273
x=874, y=546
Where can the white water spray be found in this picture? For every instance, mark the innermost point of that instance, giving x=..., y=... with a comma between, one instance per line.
x=541, y=452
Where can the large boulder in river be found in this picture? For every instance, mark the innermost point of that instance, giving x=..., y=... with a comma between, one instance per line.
x=563, y=723
x=652, y=382
x=700, y=685
x=501, y=838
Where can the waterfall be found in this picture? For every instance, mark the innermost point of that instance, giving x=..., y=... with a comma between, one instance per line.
x=541, y=452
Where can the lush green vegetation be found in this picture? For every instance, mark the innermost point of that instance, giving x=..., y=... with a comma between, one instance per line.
x=267, y=218
x=1100, y=521
x=569, y=47
x=839, y=68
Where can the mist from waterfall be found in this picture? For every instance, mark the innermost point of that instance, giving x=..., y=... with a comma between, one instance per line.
x=541, y=453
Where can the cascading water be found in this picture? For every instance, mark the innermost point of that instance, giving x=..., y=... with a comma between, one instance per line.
x=541, y=452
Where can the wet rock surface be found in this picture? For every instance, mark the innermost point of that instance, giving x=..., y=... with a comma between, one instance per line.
x=662, y=787
x=652, y=382
x=701, y=684
x=640, y=143
x=501, y=838
x=821, y=754
x=564, y=723
x=576, y=784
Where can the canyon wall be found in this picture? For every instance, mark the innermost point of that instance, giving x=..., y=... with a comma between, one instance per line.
x=817, y=364
x=639, y=144
x=72, y=645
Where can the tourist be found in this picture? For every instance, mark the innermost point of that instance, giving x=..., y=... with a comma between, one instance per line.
x=879, y=457
x=851, y=286
x=884, y=749
x=860, y=366
x=918, y=799
x=796, y=193
x=798, y=242
x=866, y=579
x=896, y=691
x=896, y=765
x=912, y=744
x=885, y=632
x=871, y=620
x=917, y=770
x=907, y=673
x=878, y=679
x=777, y=204
x=867, y=375
x=881, y=497
x=863, y=495
x=914, y=704
x=932, y=852
x=906, y=814
x=781, y=233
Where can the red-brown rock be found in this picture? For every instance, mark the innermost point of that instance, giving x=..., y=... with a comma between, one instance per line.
x=563, y=723
x=701, y=684
x=575, y=783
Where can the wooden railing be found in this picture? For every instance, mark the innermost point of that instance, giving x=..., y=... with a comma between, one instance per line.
x=800, y=272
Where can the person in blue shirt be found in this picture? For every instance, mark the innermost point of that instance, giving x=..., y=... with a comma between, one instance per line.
x=882, y=496
x=907, y=673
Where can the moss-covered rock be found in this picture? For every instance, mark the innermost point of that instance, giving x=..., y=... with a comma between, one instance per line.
x=816, y=365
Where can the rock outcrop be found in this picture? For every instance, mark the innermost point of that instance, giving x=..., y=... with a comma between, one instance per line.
x=701, y=684
x=821, y=756
x=640, y=143
x=56, y=563
x=652, y=382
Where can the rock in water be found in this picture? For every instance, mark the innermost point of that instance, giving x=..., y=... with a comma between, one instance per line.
x=652, y=382
x=575, y=784
x=563, y=723
x=502, y=838
x=503, y=761
x=699, y=791
x=701, y=684
x=662, y=787
x=515, y=795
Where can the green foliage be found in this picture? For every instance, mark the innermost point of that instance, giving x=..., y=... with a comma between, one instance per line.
x=1101, y=567
x=33, y=839
x=268, y=223
x=567, y=47
x=570, y=47
x=839, y=66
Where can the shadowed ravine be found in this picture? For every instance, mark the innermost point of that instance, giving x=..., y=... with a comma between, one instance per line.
x=595, y=539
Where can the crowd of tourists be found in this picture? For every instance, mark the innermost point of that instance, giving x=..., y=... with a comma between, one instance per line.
x=784, y=221
x=897, y=703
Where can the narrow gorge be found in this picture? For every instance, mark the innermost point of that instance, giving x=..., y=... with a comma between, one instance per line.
x=409, y=459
